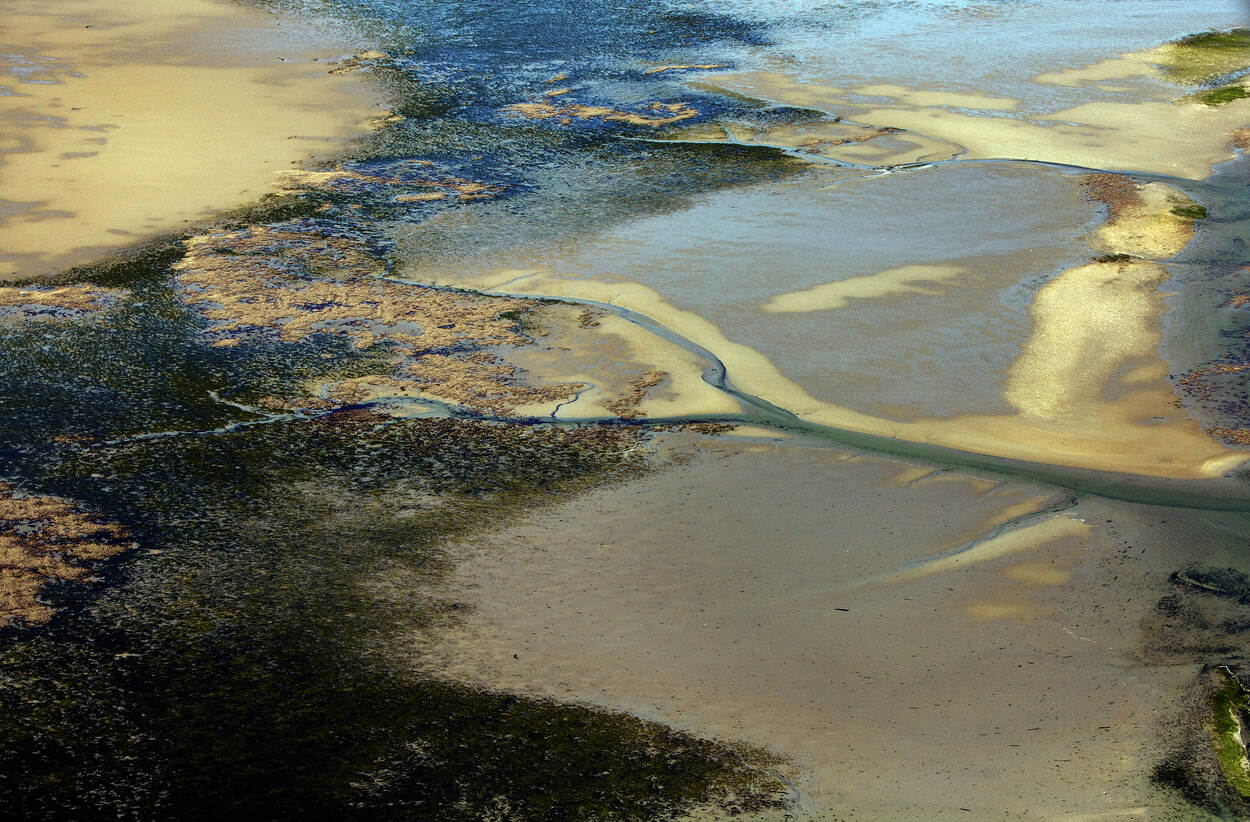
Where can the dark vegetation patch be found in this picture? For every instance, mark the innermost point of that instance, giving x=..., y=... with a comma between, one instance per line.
x=1204, y=620
x=1220, y=96
x=1216, y=391
x=1115, y=191
x=1190, y=211
x=1229, y=719
x=240, y=665
x=1221, y=582
x=1235, y=40
x=1207, y=58
x=237, y=666
x=1178, y=773
x=1193, y=766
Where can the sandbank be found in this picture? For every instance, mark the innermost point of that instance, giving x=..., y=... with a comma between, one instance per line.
x=1180, y=138
x=1087, y=390
x=908, y=279
x=124, y=122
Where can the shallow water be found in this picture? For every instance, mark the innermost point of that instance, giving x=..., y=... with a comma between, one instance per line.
x=940, y=350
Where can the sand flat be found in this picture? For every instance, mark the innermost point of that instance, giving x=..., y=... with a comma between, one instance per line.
x=126, y=122
x=908, y=279
x=742, y=594
x=1184, y=139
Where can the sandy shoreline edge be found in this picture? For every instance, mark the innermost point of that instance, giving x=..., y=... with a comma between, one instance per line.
x=121, y=124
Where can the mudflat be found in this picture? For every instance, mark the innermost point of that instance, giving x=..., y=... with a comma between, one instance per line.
x=842, y=610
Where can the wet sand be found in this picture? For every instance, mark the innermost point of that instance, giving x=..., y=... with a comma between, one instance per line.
x=121, y=123
x=786, y=596
x=1185, y=139
x=1053, y=359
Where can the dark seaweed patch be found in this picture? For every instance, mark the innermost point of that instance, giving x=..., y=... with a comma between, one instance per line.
x=145, y=367
x=245, y=662
x=1220, y=96
x=1192, y=211
x=1233, y=40
x=1193, y=766
x=1204, y=621
x=251, y=669
x=1176, y=773
x=1222, y=582
x=1208, y=58
x=1229, y=716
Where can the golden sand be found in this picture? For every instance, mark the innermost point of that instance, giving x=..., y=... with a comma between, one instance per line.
x=613, y=357
x=910, y=474
x=1029, y=505
x=1118, y=435
x=1089, y=383
x=1150, y=224
x=827, y=139
x=926, y=98
x=142, y=121
x=1092, y=321
x=1088, y=323
x=1038, y=572
x=1134, y=64
x=991, y=611
x=1009, y=542
x=1169, y=137
x=908, y=279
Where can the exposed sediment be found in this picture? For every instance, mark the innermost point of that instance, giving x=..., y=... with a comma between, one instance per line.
x=1158, y=134
x=908, y=279
x=653, y=115
x=126, y=123
x=44, y=539
x=1088, y=389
